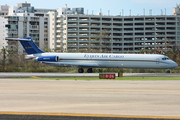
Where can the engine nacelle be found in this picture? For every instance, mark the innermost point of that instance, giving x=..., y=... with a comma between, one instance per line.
x=47, y=58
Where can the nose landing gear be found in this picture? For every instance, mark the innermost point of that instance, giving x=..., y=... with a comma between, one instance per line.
x=168, y=71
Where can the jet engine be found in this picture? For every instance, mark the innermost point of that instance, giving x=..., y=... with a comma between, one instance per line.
x=47, y=58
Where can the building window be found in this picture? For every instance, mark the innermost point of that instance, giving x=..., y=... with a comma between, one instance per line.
x=178, y=37
x=178, y=23
x=178, y=18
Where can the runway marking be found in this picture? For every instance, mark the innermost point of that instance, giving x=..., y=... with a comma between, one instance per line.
x=34, y=77
x=86, y=115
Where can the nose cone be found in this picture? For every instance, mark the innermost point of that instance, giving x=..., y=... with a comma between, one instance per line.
x=174, y=65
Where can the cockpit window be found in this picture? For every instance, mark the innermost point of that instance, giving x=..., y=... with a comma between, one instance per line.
x=165, y=58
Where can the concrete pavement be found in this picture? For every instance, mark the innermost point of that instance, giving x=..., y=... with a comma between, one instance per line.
x=11, y=75
x=134, y=98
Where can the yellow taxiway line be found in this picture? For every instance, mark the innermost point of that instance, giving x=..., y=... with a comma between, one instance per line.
x=34, y=77
x=85, y=115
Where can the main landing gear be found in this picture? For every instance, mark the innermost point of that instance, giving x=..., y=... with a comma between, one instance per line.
x=168, y=71
x=89, y=70
x=80, y=70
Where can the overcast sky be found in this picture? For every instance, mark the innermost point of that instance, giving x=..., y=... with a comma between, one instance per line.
x=115, y=6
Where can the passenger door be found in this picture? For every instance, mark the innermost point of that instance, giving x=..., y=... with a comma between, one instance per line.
x=157, y=61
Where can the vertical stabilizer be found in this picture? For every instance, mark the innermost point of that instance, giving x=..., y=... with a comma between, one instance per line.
x=28, y=45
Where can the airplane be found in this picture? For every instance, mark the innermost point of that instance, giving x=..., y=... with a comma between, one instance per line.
x=95, y=60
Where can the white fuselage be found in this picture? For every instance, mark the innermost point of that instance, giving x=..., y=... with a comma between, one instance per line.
x=104, y=60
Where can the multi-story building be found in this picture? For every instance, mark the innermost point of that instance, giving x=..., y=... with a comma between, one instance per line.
x=67, y=29
x=116, y=34
x=3, y=30
x=3, y=33
x=57, y=31
x=26, y=21
x=4, y=10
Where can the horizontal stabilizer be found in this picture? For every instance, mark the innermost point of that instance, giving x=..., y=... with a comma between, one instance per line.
x=18, y=39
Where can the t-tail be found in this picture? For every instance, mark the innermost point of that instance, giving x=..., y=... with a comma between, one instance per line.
x=28, y=44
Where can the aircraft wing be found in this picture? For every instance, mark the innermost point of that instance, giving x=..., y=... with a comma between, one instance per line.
x=72, y=64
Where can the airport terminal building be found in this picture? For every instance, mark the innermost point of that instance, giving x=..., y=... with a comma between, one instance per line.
x=73, y=31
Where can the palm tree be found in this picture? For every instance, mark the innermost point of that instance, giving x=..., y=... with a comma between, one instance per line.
x=4, y=52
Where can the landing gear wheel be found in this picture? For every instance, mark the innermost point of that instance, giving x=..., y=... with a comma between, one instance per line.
x=80, y=70
x=168, y=71
x=89, y=70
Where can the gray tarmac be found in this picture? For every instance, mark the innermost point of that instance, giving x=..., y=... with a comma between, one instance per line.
x=131, y=98
x=22, y=75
